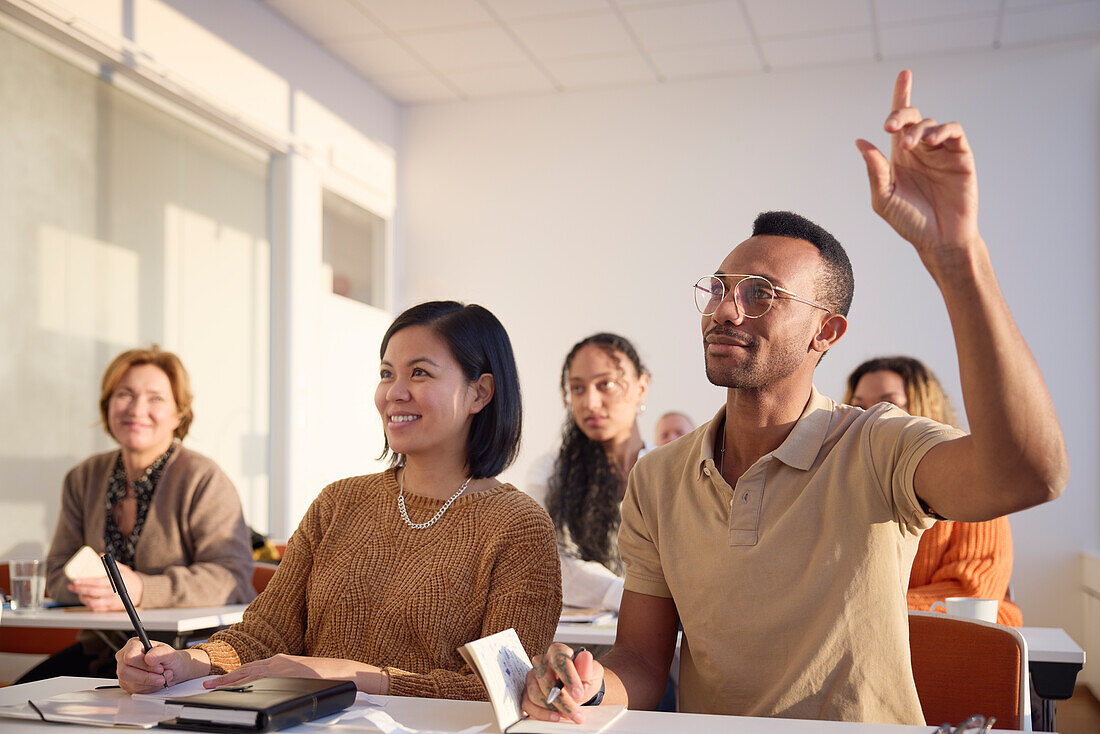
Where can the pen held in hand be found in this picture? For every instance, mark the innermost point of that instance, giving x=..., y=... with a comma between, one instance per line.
x=556, y=690
x=120, y=588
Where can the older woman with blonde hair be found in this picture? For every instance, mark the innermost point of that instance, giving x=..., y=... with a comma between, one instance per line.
x=953, y=558
x=169, y=515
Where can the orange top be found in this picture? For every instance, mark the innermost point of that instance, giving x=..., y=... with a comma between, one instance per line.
x=965, y=559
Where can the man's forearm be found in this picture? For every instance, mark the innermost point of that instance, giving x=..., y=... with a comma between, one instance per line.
x=1018, y=451
x=629, y=681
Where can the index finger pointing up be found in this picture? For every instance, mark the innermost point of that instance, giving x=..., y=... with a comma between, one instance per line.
x=902, y=88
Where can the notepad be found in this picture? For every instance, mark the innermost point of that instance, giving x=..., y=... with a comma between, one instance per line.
x=84, y=564
x=267, y=704
x=502, y=663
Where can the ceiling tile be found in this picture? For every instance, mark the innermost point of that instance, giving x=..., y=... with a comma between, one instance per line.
x=327, y=19
x=907, y=11
x=651, y=3
x=1013, y=5
x=468, y=48
x=422, y=15
x=416, y=88
x=593, y=72
x=377, y=57
x=682, y=26
x=920, y=39
x=727, y=58
x=789, y=17
x=829, y=48
x=575, y=36
x=524, y=79
x=1049, y=23
x=518, y=9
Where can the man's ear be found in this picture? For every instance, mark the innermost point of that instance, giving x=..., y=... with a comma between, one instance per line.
x=829, y=333
x=483, y=393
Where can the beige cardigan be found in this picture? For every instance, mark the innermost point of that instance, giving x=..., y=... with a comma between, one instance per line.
x=194, y=548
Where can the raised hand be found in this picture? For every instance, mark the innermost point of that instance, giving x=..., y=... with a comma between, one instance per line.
x=928, y=189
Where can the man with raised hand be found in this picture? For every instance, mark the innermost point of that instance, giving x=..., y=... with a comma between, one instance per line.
x=781, y=533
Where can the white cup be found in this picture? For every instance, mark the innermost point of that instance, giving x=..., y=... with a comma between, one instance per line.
x=28, y=584
x=965, y=606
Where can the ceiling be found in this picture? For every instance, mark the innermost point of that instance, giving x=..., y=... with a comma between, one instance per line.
x=419, y=51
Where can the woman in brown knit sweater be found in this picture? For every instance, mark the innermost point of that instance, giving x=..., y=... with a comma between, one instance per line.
x=388, y=574
x=953, y=558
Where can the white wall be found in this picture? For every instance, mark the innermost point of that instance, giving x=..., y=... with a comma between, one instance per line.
x=591, y=211
x=244, y=64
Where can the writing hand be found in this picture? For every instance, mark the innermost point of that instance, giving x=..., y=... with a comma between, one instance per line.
x=581, y=680
x=143, y=672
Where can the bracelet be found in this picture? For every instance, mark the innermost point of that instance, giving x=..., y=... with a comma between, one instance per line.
x=598, y=698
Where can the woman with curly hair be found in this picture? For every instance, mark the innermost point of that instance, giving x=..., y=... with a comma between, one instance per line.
x=604, y=386
x=953, y=558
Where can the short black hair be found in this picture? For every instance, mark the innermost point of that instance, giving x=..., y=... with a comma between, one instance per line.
x=479, y=343
x=837, y=283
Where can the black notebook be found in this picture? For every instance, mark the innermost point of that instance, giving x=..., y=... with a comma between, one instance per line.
x=267, y=704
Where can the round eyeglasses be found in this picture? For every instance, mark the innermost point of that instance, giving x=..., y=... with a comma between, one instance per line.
x=752, y=294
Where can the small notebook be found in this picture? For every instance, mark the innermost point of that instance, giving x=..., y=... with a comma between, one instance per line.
x=502, y=663
x=267, y=704
x=84, y=564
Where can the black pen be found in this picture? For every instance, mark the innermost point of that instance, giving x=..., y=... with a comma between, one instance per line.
x=120, y=588
x=556, y=690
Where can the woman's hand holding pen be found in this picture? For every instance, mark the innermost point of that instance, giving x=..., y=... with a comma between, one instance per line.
x=145, y=672
x=97, y=594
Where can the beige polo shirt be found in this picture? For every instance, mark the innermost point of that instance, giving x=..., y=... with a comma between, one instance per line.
x=790, y=585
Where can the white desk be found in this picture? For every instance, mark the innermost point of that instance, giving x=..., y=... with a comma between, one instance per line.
x=441, y=715
x=186, y=619
x=179, y=622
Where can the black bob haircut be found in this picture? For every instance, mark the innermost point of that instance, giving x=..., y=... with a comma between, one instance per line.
x=480, y=345
x=837, y=284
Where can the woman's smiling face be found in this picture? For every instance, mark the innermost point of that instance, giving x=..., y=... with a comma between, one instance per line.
x=425, y=401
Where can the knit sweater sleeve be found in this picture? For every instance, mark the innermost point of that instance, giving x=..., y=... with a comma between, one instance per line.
x=524, y=593
x=275, y=622
x=970, y=559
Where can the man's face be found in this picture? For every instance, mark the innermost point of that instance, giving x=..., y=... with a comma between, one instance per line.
x=753, y=353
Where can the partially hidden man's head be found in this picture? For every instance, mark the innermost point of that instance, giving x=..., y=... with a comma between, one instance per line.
x=809, y=277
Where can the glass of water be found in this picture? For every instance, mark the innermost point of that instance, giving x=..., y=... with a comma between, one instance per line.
x=27, y=584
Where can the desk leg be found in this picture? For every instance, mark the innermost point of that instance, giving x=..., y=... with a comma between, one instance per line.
x=1049, y=714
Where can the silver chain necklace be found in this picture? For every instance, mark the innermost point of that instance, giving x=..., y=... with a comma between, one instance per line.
x=439, y=514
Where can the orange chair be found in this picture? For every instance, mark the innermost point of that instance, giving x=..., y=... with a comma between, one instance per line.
x=261, y=574
x=965, y=666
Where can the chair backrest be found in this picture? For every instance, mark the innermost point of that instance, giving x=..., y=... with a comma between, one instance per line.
x=965, y=666
x=261, y=574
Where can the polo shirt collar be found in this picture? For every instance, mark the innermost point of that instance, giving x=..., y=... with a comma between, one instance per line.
x=802, y=445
